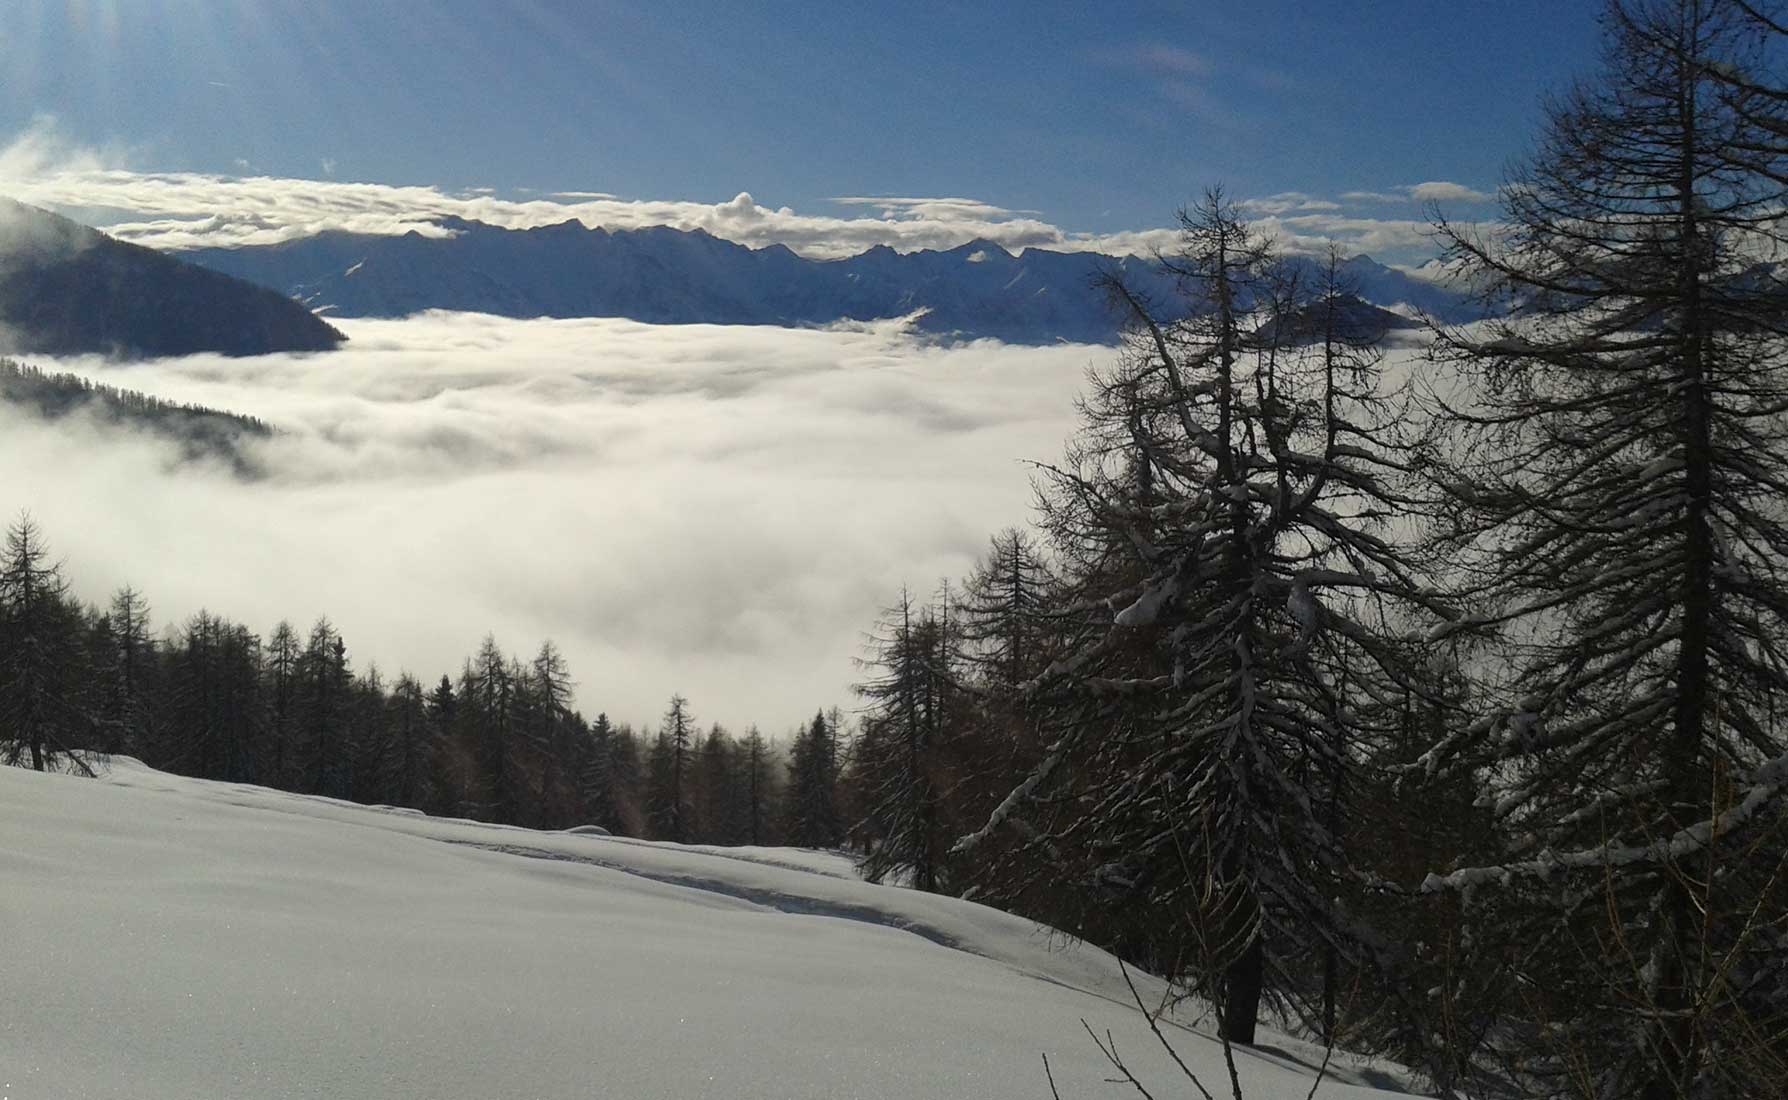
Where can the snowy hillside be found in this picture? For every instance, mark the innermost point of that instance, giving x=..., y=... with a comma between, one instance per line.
x=170, y=937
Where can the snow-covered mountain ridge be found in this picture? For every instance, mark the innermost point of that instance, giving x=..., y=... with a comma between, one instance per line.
x=665, y=275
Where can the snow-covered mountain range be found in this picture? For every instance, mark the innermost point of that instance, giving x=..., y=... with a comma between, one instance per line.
x=670, y=276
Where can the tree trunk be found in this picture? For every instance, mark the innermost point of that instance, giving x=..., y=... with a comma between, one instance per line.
x=1673, y=1035
x=1241, y=994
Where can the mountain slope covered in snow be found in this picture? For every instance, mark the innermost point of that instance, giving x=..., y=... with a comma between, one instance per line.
x=170, y=937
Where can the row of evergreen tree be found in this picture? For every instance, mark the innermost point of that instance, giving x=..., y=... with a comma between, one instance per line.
x=501, y=742
x=201, y=433
x=1434, y=710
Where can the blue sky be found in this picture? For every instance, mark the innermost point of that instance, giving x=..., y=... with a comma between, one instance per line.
x=1096, y=118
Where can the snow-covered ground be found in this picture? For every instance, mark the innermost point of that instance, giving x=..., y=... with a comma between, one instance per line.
x=174, y=938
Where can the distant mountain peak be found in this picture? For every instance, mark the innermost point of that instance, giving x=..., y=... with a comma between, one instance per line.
x=1363, y=262
x=983, y=252
x=569, y=225
x=989, y=249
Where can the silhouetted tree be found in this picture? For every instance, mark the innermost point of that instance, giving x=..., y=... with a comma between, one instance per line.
x=667, y=801
x=758, y=783
x=811, y=806
x=126, y=666
x=411, y=734
x=596, y=781
x=40, y=689
x=214, y=712
x=1229, y=501
x=324, y=684
x=1619, y=510
x=904, y=761
x=487, y=709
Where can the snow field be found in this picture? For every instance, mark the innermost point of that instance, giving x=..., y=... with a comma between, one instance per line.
x=176, y=938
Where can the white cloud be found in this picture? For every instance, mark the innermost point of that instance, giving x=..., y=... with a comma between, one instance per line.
x=1286, y=202
x=1431, y=191
x=1447, y=191
x=1140, y=242
x=931, y=208
x=183, y=210
x=713, y=510
x=1379, y=237
x=1311, y=233
x=41, y=150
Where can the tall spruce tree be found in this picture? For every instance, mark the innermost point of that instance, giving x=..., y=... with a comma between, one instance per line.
x=282, y=669
x=811, y=794
x=1620, y=493
x=757, y=782
x=1231, y=502
x=42, y=719
x=447, y=781
x=413, y=743
x=904, y=764
x=1003, y=612
x=596, y=779
x=715, y=784
x=487, y=709
x=372, y=747
x=127, y=666
x=323, y=700
x=1007, y=622
x=544, y=729
x=669, y=804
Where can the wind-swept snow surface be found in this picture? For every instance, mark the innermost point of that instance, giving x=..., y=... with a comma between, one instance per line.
x=169, y=937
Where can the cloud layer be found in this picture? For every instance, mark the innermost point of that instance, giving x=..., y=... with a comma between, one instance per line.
x=184, y=210
x=713, y=510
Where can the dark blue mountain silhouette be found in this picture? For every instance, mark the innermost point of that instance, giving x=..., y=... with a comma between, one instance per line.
x=66, y=289
x=670, y=276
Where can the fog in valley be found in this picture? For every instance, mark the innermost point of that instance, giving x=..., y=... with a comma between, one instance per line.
x=714, y=510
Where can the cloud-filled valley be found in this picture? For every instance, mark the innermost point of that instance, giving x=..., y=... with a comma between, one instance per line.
x=713, y=510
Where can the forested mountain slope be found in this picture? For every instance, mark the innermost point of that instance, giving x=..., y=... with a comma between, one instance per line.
x=66, y=289
x=201, y=432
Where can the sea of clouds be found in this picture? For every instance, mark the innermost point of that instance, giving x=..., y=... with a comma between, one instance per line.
x=719, y=511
